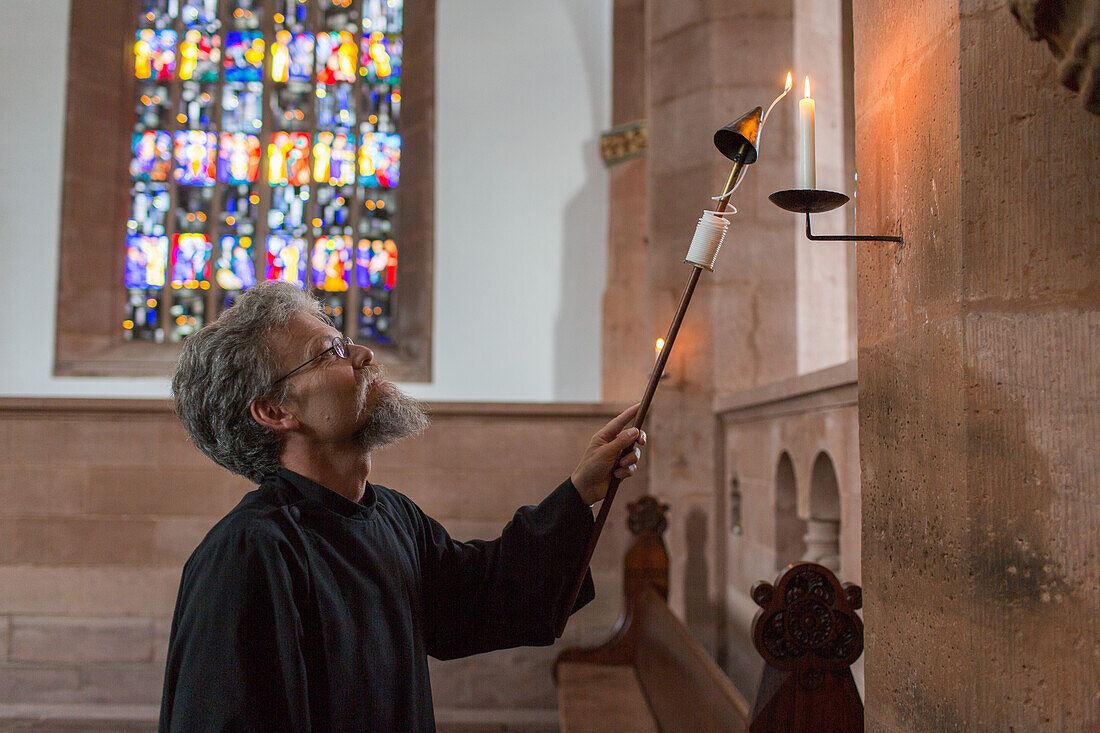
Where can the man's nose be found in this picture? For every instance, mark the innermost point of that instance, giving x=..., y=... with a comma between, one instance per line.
x=360, y=355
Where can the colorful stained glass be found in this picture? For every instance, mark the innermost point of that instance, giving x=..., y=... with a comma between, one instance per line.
x=146, y=257
x=153, y=106
x=291, y=13
x=382, y=15
x=287, y=212
x=290, y=103
x=331, y=263
x=376, y=264
x=288, y=159
x=192, y=207
x=155, y=54
x=199, y=12
x=149, y=210
x=383, y=107
x=374, y=316
x=292, y=57
x=152, y=156
x=245, y=13
x=382, y=58
x=332, y=103
x=335, y=107
x=186, y=315
x=238, y=158
x=156, y=13
x=196, y=104
x=337, y=55
x=196, y=152
x=333, y=207
x=242, y=107
x=142, y=311
x=190, y=261
x=286, y=259
x=379, y=159
x=375, y=221
x=234, y=268
x=244, y=56
x=239, y=209
x=199, y=56
x=334, y=158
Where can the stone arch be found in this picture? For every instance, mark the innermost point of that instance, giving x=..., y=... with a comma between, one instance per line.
x=789, y=527
x=822, y=538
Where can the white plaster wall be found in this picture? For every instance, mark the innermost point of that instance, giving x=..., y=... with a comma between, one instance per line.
x=521, y=201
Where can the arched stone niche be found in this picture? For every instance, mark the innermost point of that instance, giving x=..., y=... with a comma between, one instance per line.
x=822, y=538
x=789, y=527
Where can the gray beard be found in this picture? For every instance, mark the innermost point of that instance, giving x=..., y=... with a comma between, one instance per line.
x=395, y=416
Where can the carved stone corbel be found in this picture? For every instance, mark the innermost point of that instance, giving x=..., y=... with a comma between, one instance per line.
x=1071, y=29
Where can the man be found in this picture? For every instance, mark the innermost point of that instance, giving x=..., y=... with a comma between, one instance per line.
x=314, y=603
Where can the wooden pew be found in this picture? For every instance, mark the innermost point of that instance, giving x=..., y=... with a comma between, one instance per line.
x=652, y=676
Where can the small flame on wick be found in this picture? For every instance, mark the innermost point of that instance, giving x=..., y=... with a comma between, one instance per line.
x=660, y=346
x=786, y=88
x=807, y=87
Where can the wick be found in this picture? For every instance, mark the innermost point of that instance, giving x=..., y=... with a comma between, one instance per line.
x=774, y=102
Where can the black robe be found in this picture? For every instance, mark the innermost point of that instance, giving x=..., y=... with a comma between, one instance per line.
x=302, y=610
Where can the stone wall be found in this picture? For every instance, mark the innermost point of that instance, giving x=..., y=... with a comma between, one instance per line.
x=805, y=421
x=102, y=501
x=979, y=391
x=708, y=66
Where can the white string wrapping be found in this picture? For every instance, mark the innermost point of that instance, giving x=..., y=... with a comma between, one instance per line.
x=709, y=233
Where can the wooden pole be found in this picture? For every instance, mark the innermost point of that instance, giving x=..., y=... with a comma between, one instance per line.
x=647, y=399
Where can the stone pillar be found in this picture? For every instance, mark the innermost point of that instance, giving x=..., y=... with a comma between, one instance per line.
x=979, y=340
x=709, y=64
x=627, y=349
x=822, y=541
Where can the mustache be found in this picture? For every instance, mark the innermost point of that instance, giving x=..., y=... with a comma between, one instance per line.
x=371, y=373
x=367, y=378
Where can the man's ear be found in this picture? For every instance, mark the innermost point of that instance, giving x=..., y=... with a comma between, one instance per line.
x=272, y=415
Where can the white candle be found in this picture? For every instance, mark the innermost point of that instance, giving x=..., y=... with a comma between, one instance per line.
x=807, y=177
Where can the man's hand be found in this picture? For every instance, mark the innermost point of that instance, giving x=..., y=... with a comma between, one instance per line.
x=601, y=459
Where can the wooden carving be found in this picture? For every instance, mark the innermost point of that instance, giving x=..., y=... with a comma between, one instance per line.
x=623, y=143
x=808, y=620
x=808, y=633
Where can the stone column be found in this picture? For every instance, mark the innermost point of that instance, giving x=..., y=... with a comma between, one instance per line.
x=979, y=340
x=822, y=541
x=709, y=64
x=627, y=349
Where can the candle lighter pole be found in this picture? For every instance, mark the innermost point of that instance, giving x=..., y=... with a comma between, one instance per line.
x=737, y=141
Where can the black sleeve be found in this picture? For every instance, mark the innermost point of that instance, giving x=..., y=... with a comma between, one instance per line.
x=234, y=658
x=480, y=596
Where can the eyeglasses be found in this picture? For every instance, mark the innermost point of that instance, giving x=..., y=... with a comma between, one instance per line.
x=339, y=346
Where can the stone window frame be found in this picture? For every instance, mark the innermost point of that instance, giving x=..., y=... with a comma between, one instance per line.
x=91, y=299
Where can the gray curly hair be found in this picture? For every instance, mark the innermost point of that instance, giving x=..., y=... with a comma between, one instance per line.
x=228, y=364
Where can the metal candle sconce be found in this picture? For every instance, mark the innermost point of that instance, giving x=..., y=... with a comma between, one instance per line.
x=812, y=201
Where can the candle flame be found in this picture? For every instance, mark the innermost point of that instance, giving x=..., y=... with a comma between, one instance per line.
x=660, y=344
x=790, y=81
x=807, y=87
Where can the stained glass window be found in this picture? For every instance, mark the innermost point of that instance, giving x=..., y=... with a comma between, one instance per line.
x=266, y=145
